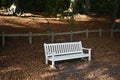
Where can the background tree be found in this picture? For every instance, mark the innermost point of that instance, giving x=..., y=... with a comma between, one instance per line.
x=71, y=7
x=53, y=7
x=114, y=15
x=0, y=3
x=86, y=6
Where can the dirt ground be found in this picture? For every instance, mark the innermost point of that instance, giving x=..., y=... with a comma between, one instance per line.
x=21, y=61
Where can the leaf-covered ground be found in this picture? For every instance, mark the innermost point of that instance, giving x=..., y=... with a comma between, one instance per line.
x=21, y=61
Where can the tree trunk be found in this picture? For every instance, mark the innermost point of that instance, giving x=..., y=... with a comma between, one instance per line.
x=0, y=3
x=86, y=6
x=71, y=7
x=115, y=10
x=16, y=2
x=14, y=7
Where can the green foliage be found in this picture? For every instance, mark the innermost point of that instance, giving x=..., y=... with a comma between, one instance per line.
x=6, y=3
x=78, y=6
x=56, y=6
x=102, y=6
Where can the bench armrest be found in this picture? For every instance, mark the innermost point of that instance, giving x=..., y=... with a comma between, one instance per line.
x=52, y=54
x=88, y=49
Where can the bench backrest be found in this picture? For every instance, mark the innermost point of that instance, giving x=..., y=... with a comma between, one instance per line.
x=62, y=48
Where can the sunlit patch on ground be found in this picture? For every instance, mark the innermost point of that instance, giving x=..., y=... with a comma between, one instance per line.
x=118, y=20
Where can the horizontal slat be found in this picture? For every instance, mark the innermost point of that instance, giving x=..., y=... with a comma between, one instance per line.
x=16, y=35
x=117, y=30
x=66, y=57
x=93, y=30
x=76, y=32
x=62, y=43
x=69, y=53
x=105, y=31
x=64, y=33
x=36, y=34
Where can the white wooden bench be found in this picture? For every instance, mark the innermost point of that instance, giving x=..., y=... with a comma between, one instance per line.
x=64, y=51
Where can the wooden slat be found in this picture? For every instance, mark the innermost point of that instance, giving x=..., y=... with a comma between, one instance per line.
x=65, y=33
x=16, y=35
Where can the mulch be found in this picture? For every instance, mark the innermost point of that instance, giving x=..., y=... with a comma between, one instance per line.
x=21, y=61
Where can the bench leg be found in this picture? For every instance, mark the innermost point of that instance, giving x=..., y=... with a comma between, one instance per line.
x=46, y=62
x=53, y=64
x=89, y=58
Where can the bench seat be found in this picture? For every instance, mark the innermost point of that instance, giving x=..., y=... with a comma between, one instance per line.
x=67, y=57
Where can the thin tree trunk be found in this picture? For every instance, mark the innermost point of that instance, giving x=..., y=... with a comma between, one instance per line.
x=116, y=4
x=0, y=3
x=14, y=8
x=86, y=6
x=71, y=7
x=16, y=2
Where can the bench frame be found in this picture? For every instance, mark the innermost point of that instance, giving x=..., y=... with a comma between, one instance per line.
x=70, y=50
